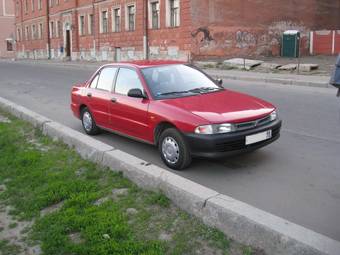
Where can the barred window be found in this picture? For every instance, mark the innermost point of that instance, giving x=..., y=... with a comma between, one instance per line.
x=90, y=24
x=116, y=20
x=155, y=15
x=104, y=22
x=173, y=13
x=81, y=25
x=131, y=17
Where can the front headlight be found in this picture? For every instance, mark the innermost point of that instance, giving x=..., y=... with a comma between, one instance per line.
x=273, y=116
x=215, y=129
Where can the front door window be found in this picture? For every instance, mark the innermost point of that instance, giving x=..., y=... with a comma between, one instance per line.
x=127, y=79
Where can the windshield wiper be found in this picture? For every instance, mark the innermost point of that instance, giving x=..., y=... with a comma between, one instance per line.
x=176, y=92
x=204, y=89
x=195, y=90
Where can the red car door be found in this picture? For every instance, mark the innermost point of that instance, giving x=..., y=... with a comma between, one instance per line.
x=129, y=115
x=98, y=96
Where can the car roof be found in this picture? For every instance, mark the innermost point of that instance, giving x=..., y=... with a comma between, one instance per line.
x=148, y=63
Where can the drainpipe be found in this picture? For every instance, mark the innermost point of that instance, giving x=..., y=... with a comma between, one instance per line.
x=93, y=30
x=48, y=29
x=145, y=35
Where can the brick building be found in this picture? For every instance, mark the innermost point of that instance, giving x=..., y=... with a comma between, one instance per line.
x=176, y=29
x=6, y=29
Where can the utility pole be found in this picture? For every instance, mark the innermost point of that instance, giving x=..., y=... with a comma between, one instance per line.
x=145, y=34
x=48, y=29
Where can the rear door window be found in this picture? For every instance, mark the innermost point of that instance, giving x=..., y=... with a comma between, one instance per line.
x=106, y=78
x=127, y=79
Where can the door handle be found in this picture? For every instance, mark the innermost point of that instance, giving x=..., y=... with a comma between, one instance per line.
x=89, y=94
x=113, y=100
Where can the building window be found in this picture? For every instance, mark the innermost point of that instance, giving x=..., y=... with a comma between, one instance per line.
x=90, y=24
x=34, y=32
x=40, y=30
x=173, y=13
x=26, y=6
x=82, y=25
x=51, y=29
x=130, y=17
x=32, y=5
x=104, y=22
x=116, y=20
x=39, y=5
x=18, y=35
x=17, y=8
x=58, y=28
x=9, y=45
x=154, y=7
x=26, y=33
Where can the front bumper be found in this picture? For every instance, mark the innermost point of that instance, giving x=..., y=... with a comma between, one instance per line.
x=223, y=145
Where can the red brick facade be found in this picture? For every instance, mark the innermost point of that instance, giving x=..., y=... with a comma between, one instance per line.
x=7, y=21
x=203, y=29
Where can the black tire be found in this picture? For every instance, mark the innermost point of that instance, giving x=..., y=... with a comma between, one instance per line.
x=182, y=158
x=93, y=129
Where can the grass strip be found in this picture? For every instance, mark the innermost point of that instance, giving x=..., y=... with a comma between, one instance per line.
x=78, y=207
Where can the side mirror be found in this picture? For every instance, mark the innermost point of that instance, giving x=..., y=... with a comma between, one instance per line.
x=137, y=93
x=219, y=82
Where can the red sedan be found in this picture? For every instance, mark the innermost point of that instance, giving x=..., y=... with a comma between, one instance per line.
x=176, y=107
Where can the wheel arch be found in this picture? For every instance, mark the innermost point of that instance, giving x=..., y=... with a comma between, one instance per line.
x=81, y=107
x=160, y=128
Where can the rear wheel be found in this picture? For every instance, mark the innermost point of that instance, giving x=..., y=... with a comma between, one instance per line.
x=174, y=150
x=88, y=122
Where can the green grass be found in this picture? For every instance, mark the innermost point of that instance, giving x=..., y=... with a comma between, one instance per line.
x=39, y=173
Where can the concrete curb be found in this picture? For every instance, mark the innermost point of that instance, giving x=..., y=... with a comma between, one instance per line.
x=236, y=219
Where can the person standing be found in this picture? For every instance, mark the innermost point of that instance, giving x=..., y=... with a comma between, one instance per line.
x=335, y=79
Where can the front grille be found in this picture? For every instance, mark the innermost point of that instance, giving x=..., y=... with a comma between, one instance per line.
x=241, y=143
x=252, y=124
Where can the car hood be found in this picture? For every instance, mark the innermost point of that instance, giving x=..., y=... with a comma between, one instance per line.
x=223, y=106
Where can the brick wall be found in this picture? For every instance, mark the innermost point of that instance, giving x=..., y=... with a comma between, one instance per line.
x=94, y=44
x=29, y=44
x=254, y=27
x=207, y=29
x=6, y=28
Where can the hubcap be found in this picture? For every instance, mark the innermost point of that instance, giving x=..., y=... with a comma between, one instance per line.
x=87, y=121
x=170, y=150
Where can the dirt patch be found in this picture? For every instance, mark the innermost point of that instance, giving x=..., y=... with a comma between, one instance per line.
x=14, y=233
x=76, y=238
x=51, y=209
x=38, y=145
x=3, y=119
x=131, y=211
x=115, y=193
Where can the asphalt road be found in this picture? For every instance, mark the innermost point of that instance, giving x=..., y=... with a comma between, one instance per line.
x=297, y=177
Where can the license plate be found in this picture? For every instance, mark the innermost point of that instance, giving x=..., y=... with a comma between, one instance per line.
x=251, y=139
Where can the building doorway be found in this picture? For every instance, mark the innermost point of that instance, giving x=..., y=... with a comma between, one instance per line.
x=68, y=44
x=117, y=54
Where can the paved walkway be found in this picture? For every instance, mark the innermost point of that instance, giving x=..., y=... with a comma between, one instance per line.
x=284, y=79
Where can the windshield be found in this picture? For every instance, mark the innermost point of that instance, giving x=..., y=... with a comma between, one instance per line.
x=177, y=81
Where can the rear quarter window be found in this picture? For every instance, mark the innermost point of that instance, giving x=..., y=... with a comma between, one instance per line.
x=94, y=82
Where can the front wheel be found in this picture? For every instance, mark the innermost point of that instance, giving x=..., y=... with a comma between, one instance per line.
x=88, y=122
x=174, y=150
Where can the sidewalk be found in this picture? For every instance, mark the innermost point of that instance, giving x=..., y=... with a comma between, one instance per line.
x=282, y=78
